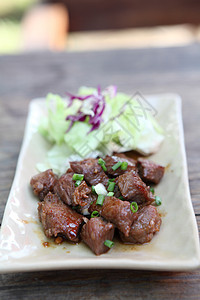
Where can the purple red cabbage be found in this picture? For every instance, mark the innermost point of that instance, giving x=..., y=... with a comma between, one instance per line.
x=99, y=104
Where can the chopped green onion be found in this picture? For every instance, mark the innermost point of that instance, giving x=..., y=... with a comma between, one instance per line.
x=100, y=199
x=152, y=190
x=93, y=190
x=158, y=200
x=124, y=165
x=111, y=180
x=104, y=168
x=109, y=243
x=110, y=194
x=117, y=165
x=135, y=209
x=78, y=182
x=77, y=177
x=121, y=198
x=101, y=162
x=111, y=186
x=94, y=214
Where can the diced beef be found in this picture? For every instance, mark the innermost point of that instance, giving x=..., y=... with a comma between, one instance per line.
x=58, y=219
x=144, y=228
x=150, y=171
x=93, y=172
x=122, y=155
x=43, y=183
x=110, y=161
x=117, y=212
x=117, y=192
x=70, y=194
x=133, y=188
x=85, y=209
x=81, y=194
x=95, y=232
x=69, y=171
x=83, y=197
x=95, y=207
x=65, y=188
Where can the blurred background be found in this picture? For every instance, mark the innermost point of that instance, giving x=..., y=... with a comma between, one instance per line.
x=79, y=25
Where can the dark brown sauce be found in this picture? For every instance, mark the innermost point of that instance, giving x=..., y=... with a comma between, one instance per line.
x=58, y=240
x=45, y=244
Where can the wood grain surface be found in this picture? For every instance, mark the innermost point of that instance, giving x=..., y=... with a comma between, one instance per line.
x=148, y=71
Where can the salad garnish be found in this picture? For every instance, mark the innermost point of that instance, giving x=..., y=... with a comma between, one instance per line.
x=95, y=123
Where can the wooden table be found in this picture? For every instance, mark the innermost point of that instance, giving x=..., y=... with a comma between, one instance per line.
x=28, y=76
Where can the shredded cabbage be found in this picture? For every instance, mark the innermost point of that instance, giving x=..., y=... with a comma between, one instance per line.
x=96, y=123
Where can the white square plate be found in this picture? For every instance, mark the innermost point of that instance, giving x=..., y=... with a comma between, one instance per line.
x=175, y=247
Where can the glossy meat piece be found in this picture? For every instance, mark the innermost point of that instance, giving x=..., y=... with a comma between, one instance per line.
x=150, y=171
x=43, y=183
x=58, y=219
x=85, y=209
x=65, y=188
x=93, y=172
x=110, y=161
x=83, y=197
x=95, y=232
x=144, y=228
x=117, y=212
x=133, y=188
x=122, y=155
x=81, y=194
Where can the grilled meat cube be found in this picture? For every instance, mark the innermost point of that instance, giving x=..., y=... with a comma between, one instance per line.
x=58, y=219
x=43, y=183
x=93, y=172
x=83, y=197
x=150, y=171
x=133, y=188
x=110, y=161
x=81, y=194
x=144, y=228
x=117, y=212
x=65, y=188
x=95, y=232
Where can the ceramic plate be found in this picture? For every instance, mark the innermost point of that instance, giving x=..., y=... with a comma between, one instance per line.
x=175, y=247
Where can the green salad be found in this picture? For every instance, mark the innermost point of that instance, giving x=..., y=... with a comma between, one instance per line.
x=96, y=122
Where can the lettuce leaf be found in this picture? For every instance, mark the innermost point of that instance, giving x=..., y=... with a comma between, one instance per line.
x=128, y=124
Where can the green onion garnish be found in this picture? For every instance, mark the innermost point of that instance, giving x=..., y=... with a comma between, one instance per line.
x=111, y=186
x=135, y=209
x=78, y=182
x=101, y=162
x=78, y=177
x=117, y=165
x=124, y=165
x=121, y=198
x=152, y=190
x=104, y=168
x=100, y=199
x=109, y=243
x=93, y=190
x=111, y=180
x=158, y=200
x=110, y=194
x=94, y=214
